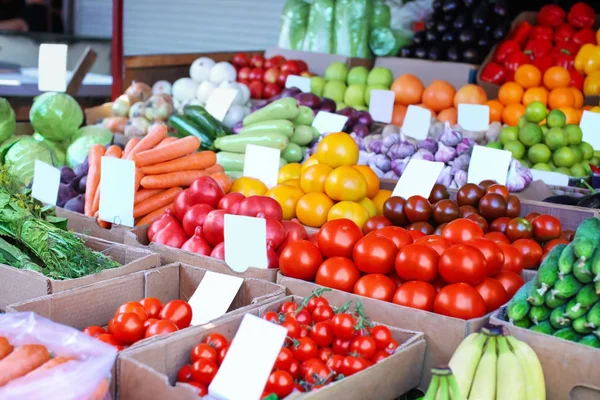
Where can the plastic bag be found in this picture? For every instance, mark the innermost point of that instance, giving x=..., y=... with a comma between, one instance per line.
x=351, y=28
x=86, y=377
x=294, y=20
x=319, y=30
x=403, y=16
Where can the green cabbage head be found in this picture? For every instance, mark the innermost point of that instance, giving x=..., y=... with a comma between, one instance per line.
x=8, y=120
x=56, y=116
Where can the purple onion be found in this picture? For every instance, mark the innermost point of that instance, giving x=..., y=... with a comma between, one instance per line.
x=348, y=112
x=289, y=92
x=328, y=105
x=363, y=117
x=361, y=130
x=308, y=100
x=259, y=104
x=237, y=127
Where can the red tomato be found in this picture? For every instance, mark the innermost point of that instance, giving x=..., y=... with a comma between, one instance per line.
x=414, y=234
x=94, y=331
x=511, y=282
x=303, y=317
x=415, y=294
x=497, y=237
x=204, y=351
x=499, y=224
x=364, y=346
x=494, y=257
x=382, y=336
x=436, y=242
x=108, y=339
x=341, y=346
x=552, y=243
x=281, y=383
x=380, y=355
x=459, y=300
x=462, y=230
x=133, y=307
x=149, y=322
x=375, y=286
x=343, y=325
x=178, y=311
x=195, y=217
x=205, y=190
x=292, y=326
x=493, y=294
x=482, y=222
x=322, y=334
x=231, y=202
x=513, y=259
x=519, y=228
x=216, y=341
x=375, y=255
x=284, y=359
x=337, y=273
x=338, y=237
x=223, y=353
x=152, y=306
x=322, y=312
x=463, y=263
x=204, y=371
x=325, y=353
x=185, y=373
x=351, y=365
x=181, y=205
x=335, y=363
x=305, y=349
x=288, y=307
x=316, y=301
x=160, y=327
x=271, y=316
x=395, y=278
x=317, y=369
x=531, y=251
x=417, y=262
x=300, y=260
x=532, y=216
x=126, y=328
x=201, y=389
x=375, y=223
x=400, y=236
x=295, y=369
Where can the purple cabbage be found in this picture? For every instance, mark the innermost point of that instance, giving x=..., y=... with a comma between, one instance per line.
x=445, y=177
x=461, y=163
x=465, y=146
x=423, y=154
x=398, y=166
x=450, y=137
x=388, y=141
x=445, y=153
x=428, y=144
x=401, y=150
x=391, y=175
x=379, y=162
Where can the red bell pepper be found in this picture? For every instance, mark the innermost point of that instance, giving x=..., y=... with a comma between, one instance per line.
x=581, y=15
x=494, y=73
x=562, y=46
x=504, y=49
x=576, y=79
x=564, y=33
x=521, y=32
x=585, y=36
x=563, y=58
x=538, y=47
x=541, y=32
x=551, y=15
x=543, y=63
x=515, y=60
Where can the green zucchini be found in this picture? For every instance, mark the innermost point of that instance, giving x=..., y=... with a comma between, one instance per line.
x=292, y=153
x=206, y=121
x=303, y=135
x=186, y=127
x=305, y=116
x=286, y=108
x=235, y=161
x=590, y=340
x=237, y=143
x=278, y=126
x=587, y=238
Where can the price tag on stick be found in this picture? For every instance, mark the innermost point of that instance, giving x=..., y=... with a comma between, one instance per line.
x=245, y=242
x=257, y=341
x=488, y=163
x=299, y=82
x=326, y=122
x=262, y=163
x=219, y=102
x=416, y=122
x=117, y=178
x=590, y=126
x=52, y=68
x=418, y=178
x=474, y=117
x=381, y=105
x=46, y=181
x=213, y=296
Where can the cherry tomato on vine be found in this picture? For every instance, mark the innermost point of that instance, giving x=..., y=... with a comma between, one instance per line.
x=364, y=346
x=94, y=331
x=204, y=351
x=335, y=363
x=322, y=334
x=315, y=301
x=271, y=316
x=382, y=336
x=185, y=373
x=379, y=355
x=281, y=383
x=288, y=307
x=126, y=328
x=201, y=389
x=203, y=371
x=343, y=325
x=284, y=359
x=351, y=365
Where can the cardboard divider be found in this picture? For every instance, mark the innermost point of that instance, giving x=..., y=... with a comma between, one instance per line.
x=18, y=285
x=571, y=369
x=457, y=74
x=88, y=226
x=150, y=371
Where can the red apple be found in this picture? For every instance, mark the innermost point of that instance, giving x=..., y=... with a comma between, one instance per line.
x=301, y=65
x=257, y=74
x=241, y=60
x=256, y=89
x=282, y=78
x=306, y=74
x=275, y=61
x=257, y=61
x=290, y=67
x=271, y=89
x=271, y=75
x=244, y=73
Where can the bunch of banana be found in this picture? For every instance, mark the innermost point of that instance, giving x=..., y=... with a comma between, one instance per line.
x=443, y=386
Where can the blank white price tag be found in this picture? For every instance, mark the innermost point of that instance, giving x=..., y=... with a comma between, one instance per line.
x=418, y=178
x=326, y=122
x=46, y=180
x=245, y=242
x=219, y=101
x=488, y=163
x=258, y=342
x=550, y=178
x=52, y=68
x=117, y=178
x=590, y=125
x=213, y=296
x=416, y=122
x=299, y=82
x=262, y=163
x=474, y=117
x=381, y=106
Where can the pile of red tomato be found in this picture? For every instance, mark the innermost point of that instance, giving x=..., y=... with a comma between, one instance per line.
x=137, y=320
x=321, y=346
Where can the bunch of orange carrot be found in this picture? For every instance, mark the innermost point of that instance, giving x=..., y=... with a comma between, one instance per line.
x=164, y=167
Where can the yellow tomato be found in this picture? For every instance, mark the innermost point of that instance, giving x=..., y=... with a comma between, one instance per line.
x=312, y=160
x=369, y=206
x=380, y=198
x=346, y=184
x=337, y=149
x=287, y=197
x=249, y=186
x=292, y=182
x=371, y=177
x=289, y=171
x=595, y=109
x=313, y=208
x=349, y=210
x=313, y=178
x=591, y=84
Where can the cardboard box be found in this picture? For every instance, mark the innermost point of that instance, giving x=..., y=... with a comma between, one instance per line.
x=18, y=285
x=457, y=74
x=149, y=372
x=138, y=237
x=571, y=369
x=80, y=223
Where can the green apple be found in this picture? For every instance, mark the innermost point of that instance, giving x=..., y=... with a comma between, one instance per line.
x=337, y=71
x=316, y=85
x=355, y=95
x=361, y=108
x=357, y=75
x=380, y=76
x=368, y=92
x=334, y=90
x=340, y=105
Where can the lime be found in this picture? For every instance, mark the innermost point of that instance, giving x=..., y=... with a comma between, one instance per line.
x=539, y=153
x=508, y=134
x=556, y=119
x=551, y=165
x=563, y=170
x=578, y=170
x=536, y=111
x=494, y=145
x=574, y=133
x=587, y=150
x=588, y=169
x=516, y=148
x=544, y=129
x=578, y=153
x=564, y=157
x=530, y=134
x=595, y=161
x=556, y=138
x=525, y=163
x=522, y=121
x=597, y=153
x=542, y=167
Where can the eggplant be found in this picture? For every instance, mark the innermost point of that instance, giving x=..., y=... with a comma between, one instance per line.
x=467, y=36
x=460, y=22
x=431, y=37
x=453, y=54
x=448, y=37
x=480, y=15
x=500, y=31
x=437, y=5
x=431, y=22
x=471, y=56
x=500, y=8
x=468, y=3
x=406, y=52
x=436, y=53
x=442, y=27
x=591, y=201
x=420, y=52
x=450, y=6
x=484, y=42
x=419, y=37
x=562, y=199
x=448, y=18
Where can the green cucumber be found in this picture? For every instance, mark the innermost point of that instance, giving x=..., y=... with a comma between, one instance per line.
x=586, y=238
x=543, y=327
x=574, y=310
x=519, y=306
x=186, y=127
x=235, y=161
x=237, y=143
x=292, y=153
x=552, y=301
x=278, y=126
x=303, y=135
x=596, y=270
x=209, y=124
x=535, y=298
x=567, y=334
x=286, y=108
x=539, y=314
x=580, y=325
x=590, y=340
x=567, y=259
x=587, y=296
x=593, y=316
x=306, y=116
x=548, y=271
x=524, y=323
x=234, y=174
x=558, y=319
x=566, y=287
x=582, y=270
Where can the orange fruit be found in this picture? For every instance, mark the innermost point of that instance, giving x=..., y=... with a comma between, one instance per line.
x=469, y=94
x=528, y=76
x=313, y=178
x=407, y=89
x=449, y=115
x=496, y=109
x=561, y=97
x=556, y=77
x=510, y=93
x=398, y=114
x=578, y=97
x=587, y=108
x=439, y=95
x=573, y=115
x=535, y=94
x=512, y=113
